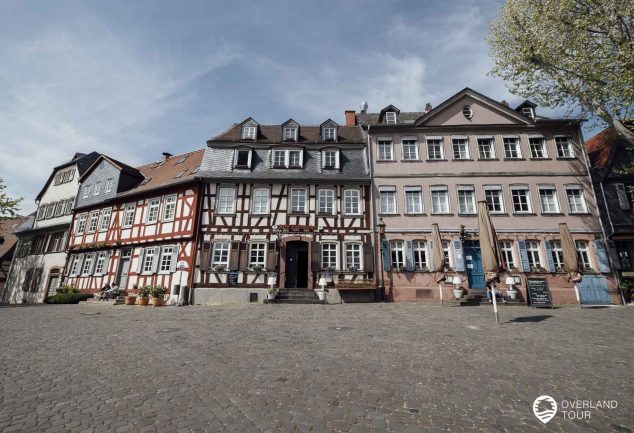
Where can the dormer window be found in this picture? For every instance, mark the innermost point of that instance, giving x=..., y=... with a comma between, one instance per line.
x=390, y=118
x=528, y=112
x=290, y=134
x=330, y=159
x=249, y=132
x=243, y=158
x=287, y=158
x=329, y=134
x=294, y=158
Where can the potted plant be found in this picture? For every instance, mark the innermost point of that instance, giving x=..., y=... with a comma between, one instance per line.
x=130, y=299
x=271, y=293
x=157, y=296
x=257, y=269
x=144, y=295
x=322, y=293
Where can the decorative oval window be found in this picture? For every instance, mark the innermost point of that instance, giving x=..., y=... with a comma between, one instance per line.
x=467, y=112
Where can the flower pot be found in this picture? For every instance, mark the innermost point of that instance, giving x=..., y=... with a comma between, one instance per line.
x=271, y=295
x=130, y=300
x=512, y=294
x=457, y=293
x=144, y=301
x=322, y=295
x=158, y=302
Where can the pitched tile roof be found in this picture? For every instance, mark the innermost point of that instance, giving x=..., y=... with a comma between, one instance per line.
x=273, y=134
x=600, y=147
x=7, y=229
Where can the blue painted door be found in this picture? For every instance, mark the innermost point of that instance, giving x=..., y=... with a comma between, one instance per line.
x=473, y=263
x=593, y=290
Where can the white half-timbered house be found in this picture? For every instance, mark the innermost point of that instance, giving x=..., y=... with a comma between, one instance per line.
x=283, y=201
x=132, y=226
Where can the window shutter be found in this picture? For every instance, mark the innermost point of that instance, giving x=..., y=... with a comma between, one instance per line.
x=622, y=194
x=243, y=262
x=139, y=264
x=174, y=259
x=549, y=255
x=94, y=263
x=337, y=159
x=315, y=256
x=458, y=256
x=205, y=256
x=430, y=254
x=523, y=256
x=387, y=258
x=234, y=256
x=602, y=256
x=106, y=264
x=614, y=255
x=270, y=256
x=80, y=264
x=156, y=260
x=368, y=257
x=409, y=256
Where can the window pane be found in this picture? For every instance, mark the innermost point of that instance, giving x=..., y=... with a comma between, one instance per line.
x=410, y=150
x=485, y=148
x=414, y=201
x=388, y=202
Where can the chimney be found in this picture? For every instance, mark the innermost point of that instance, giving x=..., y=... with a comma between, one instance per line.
x=351, y=118
x=506, y=104
x=428, y=107
x=166, y=156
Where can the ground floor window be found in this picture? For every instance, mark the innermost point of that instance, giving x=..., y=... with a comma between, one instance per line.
x=353, y=256
x=148, y=260
x=420, y=255
x=558, y=255
x=532, y=251
x=583, y=254
x=329, y=256
x=257, y=254
x=398, y=255
x=167, y=259
x=101, y=262
x=220, y=254
x=507, y=253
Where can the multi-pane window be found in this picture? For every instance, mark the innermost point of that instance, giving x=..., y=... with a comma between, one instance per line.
x=353, y=256
x=97, y=188
x=460, y=148
x=413, y=200
x=420, y=255
x=398, y=254
x=128, y=217
x=439, y=200
x=385, y=150
x=100, y=263
x=92, y=222
x=298, y=200
x=105, y=219
x=249, y=132
x=87, y=266
x=329, y=134
x=532, y=251
x=486, y=149
x=576, y=200
x=226, y=201
x=466, y=200
x=390, y=117
x=59, y=208
x=548, y=199
x=257, y=254
x=351, y=202
x=260, y=201
x=494, y=198
x=388, y=201
x=445, y=251
x=331, y=158
x=512, y=147
x=243, y=158
x=434, y=148
x=50, y=210
x=148, y=260
x=410, y=150
x=279, y=158
x=152, y=211
x=294, y=158
x=220, y=255
x=326, y=199
x=536, y=145
x=521, y=199
x=108, y=185
x=564, y=147
x=506, y=248
x=74, y=266
x=582, y=253
x=329, y=256
x=41, y=212
x=290, y=134
x=169, y=209
x=86, y=191
x=557, y=254
x=167, y=259
x=68, y=205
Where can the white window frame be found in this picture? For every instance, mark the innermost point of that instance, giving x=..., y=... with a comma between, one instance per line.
x=420, y=255
x=260, y=252
x=249, y=132
x=466, y=200
x=274, y=163
x=532, y=146
x=557, y=254
x=81, y=223
x=533, y=252
x=582, y=196
x=434, y=190
x=529, y=204
x=108, y=185
x=74, y=267
x=460, y=141
x=528, y=112
x=491, y=142
x=388, y=207
x=93, y=222
x=332, y=247
x=555, y=198
x=97, y=189
x=295, y=209
x=353, y=194
x=258, y=206
x=153, y=207
x=86, y=267
x=149, y=256
x=500, y=196
x=381, y=154
x=86, y=191
x=326, y=196
x=330, y=154
x=568, y=151
x=290, y=133
x=390, y=118
x=128, y=215
x=329, y=134
x=359, y=249
x=583, y=253
x=106, y=215
x=166, y=260
x=169, y=207
x=397, y=254
x=223, y=205
x=507, y=249
x=412, y=144
x=415, y=192
x=507, y=149
x=220, y=249
x=100, y=263
x=435, y=141
x=249, y=158
x=300, y=162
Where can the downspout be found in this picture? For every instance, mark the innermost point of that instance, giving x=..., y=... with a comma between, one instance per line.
x=372, y=223
x=603, y=232
x=197, y=236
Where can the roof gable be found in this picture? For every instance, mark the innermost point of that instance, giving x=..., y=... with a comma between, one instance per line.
x=123, y=168
x=389, y=109
x=486, y=111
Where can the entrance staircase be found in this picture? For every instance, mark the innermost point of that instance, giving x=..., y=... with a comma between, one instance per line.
x=477, y=297
x=295, y=296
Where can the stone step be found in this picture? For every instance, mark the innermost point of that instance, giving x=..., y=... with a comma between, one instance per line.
x=294, y=301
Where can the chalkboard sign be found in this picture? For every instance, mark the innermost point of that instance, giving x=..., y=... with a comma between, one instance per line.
x=232, y=278
x=539, y=293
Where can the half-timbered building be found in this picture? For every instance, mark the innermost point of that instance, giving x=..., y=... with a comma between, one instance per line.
x=132, y=226
x=283, y=204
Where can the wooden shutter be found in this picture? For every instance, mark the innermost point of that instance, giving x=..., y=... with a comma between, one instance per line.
x=523, y=256
x=386, y=257
x=234, y=256
x=139, y=264
x=174, y=259
x=602, y=256
x=80, y=264
x=614, y=255
x=270, y=256
x=409, y=256
x=205, y=256
x=244, y=255
x=430, y=254
x=458, y=256
x=106, y=264
x=549, y=256
x=94, y=263
x=315, y=256
x=368, y=257
x=156, y=260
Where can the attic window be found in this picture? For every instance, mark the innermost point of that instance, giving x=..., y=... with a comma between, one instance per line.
x=290, y=134
x=182, y=160
x=249, y=132
x=329, y=134
x=330, y=159
x=195, y=170
x=467, y=112
x=146, y=180
x=390, y=118
x=180, y=174
x=528, y=112
x=243, y=158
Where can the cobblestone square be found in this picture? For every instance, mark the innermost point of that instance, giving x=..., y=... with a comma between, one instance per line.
x=310, y=368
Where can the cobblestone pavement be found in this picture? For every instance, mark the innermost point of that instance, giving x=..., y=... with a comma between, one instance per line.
x=310, y=368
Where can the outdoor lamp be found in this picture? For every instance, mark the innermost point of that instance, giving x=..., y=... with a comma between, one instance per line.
x=510, y=281
x=380, y=227
x=322, y=282
x=271, y=280
x=456, y=280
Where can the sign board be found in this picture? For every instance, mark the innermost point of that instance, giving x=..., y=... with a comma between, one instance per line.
x=295, y=228
x=539, y=293
x=232, y=278
x=181, y=265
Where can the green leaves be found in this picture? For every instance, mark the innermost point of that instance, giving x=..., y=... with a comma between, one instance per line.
x=8, y=206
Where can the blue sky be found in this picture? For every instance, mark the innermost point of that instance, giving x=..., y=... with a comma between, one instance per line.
x=135, y=78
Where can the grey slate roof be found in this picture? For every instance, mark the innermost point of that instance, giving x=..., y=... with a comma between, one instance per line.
x=273, y=134
x=403, y=118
